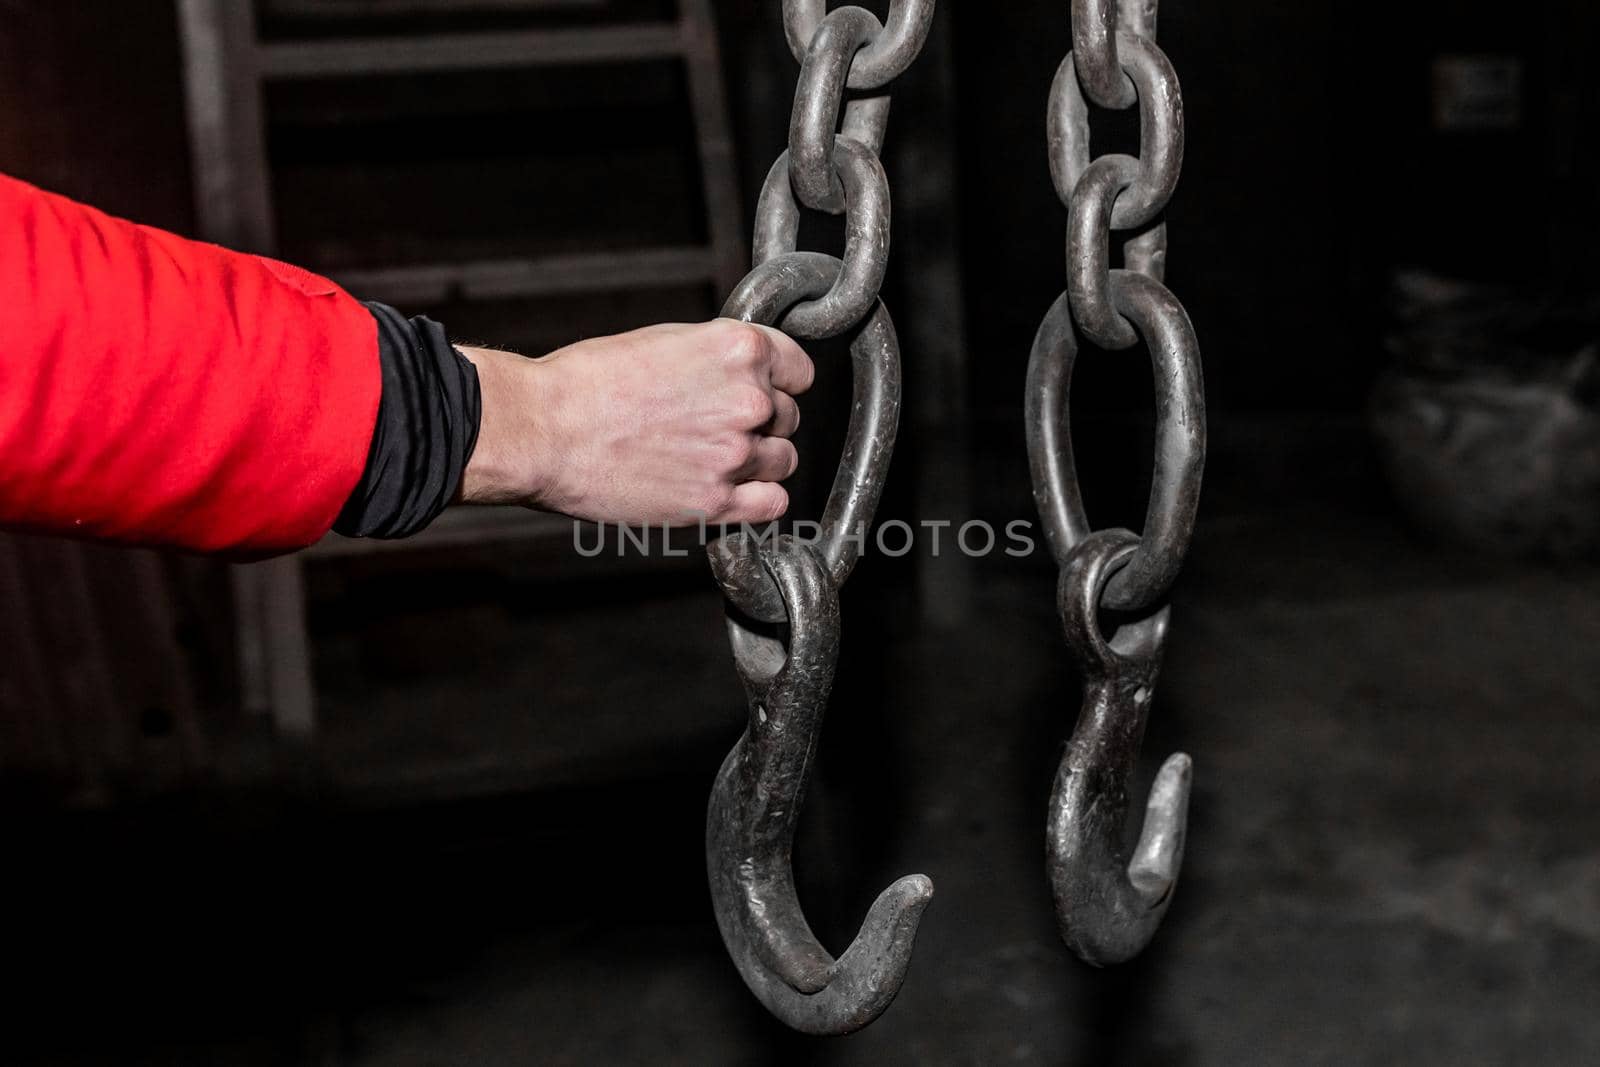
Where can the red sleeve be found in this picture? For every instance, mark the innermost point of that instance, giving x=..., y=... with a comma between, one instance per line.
x=160, y=391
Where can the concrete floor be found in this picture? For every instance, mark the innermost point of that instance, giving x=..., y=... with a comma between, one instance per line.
x=1394, y=850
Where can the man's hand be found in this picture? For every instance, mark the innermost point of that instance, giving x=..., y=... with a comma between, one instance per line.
x=670, y=423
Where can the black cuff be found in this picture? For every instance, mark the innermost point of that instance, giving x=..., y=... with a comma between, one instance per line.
x=427, y=426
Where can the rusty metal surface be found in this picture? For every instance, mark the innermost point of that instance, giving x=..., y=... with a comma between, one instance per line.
x=756, y=804
x=887, y=54
x=782, y=593
x=1108, y=905
x=865, y=205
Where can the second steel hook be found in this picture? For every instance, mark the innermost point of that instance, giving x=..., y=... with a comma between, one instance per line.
x=756, y=803
x=1107, y=905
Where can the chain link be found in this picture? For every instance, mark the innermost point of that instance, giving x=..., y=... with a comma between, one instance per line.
x=1160, y=132
x=762, y=297
x=866, y=240
x=889, y=53
x=818, y=102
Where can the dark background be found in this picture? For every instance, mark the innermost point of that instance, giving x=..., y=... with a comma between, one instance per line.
x=491, y=851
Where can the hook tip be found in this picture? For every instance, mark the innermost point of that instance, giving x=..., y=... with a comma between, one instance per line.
x=869, y=974
x=1154, y=870
x=890, y=930
x=899, y=908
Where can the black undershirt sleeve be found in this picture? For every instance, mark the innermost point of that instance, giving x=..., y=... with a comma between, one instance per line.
x=426, y=428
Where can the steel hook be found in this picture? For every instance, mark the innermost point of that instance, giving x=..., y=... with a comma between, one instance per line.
x=756, y=802
x=1108, y=907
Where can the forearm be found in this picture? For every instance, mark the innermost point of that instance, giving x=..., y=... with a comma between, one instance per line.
x=160, y=391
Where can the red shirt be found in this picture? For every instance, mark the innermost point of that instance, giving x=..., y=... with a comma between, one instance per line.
x=160, y=391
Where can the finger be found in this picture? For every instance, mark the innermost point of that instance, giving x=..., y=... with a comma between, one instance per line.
x=792, y=370
x=771, y=460
x=756, y=503
x=785, y=415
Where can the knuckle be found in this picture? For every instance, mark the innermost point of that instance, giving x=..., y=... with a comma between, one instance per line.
x=752, y=407
x=714, y=500
x=743, y=344
x=731, y=451
x=808, y=373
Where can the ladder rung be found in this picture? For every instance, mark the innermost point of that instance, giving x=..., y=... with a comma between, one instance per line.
x=649, y=268
x=348, y=9
x=469, y=51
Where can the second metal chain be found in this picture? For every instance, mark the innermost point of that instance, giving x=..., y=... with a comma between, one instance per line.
x=1116, y=64
x=1108, y=905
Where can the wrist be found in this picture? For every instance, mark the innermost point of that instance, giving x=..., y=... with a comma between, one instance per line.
x=511, y=462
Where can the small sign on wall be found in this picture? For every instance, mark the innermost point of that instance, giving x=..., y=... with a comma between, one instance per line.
x=1472, y=93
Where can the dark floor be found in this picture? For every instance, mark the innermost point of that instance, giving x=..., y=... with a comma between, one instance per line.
x=1394, y=851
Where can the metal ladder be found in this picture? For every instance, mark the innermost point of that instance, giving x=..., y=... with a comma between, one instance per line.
x=227, y=66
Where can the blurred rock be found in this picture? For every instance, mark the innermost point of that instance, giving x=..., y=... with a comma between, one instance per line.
x=1487, y=423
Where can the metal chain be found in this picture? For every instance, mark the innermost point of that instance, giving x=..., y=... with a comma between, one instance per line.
x=831, y=165
x=1109, y=908
x=1115, y=62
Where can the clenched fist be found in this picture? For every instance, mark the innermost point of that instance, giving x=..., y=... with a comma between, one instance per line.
x=673, y=423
